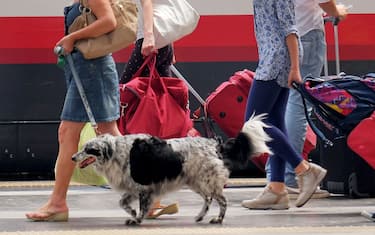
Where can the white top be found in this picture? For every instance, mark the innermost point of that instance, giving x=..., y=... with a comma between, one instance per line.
x=140, y=19
x=309, y=15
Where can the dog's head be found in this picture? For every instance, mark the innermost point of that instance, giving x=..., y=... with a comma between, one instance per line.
x=98, y=150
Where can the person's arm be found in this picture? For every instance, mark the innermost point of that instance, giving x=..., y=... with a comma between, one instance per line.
x=106, y=22
x=148, y=45
x=332, y=9
x=285, y=15
x=294, y=73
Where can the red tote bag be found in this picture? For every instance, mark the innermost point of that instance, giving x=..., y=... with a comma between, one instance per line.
x=154, y=105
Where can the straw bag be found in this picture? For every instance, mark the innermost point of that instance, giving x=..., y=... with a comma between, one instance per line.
x=173, y=19
x=125, y=12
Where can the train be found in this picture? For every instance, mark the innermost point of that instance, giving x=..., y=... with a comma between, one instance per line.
x=32, y=86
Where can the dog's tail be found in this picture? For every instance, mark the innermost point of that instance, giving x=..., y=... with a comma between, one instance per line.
x=251, y=141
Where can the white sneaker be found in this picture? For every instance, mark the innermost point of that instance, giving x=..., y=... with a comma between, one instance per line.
x=268, y=200
x=308, y=182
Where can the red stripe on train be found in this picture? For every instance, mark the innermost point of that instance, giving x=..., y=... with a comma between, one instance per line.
x=218, y=38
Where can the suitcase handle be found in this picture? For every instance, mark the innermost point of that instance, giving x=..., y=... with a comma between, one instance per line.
x=320, y=134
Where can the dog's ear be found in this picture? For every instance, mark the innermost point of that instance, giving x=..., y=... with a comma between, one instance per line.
x=227, y=146
x=108, y=150
x=99, y=149
x=236, y=151
x=92, y=149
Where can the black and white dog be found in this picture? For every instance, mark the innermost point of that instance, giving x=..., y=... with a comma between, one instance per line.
x=144, y=167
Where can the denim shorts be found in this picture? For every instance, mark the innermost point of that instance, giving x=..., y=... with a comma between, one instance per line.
x=99, y=79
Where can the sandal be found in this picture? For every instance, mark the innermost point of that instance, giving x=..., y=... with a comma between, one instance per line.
x=162, y=210
x=49, y=216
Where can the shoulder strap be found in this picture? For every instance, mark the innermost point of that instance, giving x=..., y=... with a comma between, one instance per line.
x=84, y=3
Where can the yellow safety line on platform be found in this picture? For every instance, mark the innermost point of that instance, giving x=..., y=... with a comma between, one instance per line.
x=205, y=231
x=232, y=182
x=47, y=183
x=247, y=182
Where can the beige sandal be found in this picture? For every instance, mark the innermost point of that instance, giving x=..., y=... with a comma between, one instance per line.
x=50, y=216
x=162, y=210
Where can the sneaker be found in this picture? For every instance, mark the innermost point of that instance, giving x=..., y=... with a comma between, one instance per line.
x=308, y=182
x=368, y=215
x=268, y=200
x=293, y=193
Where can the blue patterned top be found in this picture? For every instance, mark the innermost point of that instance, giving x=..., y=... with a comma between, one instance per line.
x=274, y=20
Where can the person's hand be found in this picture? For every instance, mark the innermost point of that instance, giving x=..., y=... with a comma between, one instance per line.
x=67, y=43
x=148, y=45
x=294, y=76
x=342, y=11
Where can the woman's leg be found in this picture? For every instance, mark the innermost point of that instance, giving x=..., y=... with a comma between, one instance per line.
x=268, y=97
x=109, y=128
x=69, y=134
x=134, y=63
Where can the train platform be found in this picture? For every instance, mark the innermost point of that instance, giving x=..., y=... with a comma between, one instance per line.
x=95, y=210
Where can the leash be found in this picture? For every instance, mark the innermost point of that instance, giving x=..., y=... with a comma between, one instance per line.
x=58, y=50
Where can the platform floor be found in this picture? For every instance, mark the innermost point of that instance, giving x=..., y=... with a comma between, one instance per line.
x=95, y=210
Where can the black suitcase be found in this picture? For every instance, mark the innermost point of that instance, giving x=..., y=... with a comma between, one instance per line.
x=347, y=172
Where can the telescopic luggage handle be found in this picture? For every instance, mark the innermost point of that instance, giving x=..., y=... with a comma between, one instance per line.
x=335, y=21
x=316, y=130
x=206, y=121
x=59, y=51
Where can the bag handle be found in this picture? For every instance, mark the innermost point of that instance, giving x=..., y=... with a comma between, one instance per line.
x=320, y=134
x=154, y=73
x=143, y=66
x=84, y=3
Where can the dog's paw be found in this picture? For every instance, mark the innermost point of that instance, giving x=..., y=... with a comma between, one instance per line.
x=198, y=218
x=216, y=220
x=131, y=222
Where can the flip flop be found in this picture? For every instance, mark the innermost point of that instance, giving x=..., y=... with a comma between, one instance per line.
x=50, y=217
x=163, y=210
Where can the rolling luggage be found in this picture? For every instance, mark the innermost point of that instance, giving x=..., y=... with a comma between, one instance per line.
x=343, y=146
x=227, y=104
x=343, y=119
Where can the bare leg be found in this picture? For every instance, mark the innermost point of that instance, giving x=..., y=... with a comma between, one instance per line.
x=277, y=187
x=69, y=134
x=302, y=167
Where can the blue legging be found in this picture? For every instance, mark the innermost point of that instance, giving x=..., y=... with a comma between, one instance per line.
x=268, y=97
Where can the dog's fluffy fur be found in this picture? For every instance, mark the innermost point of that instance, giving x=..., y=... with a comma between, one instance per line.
x=144, y=167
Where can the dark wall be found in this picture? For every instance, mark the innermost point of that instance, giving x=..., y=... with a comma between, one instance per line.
x=31, y=97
